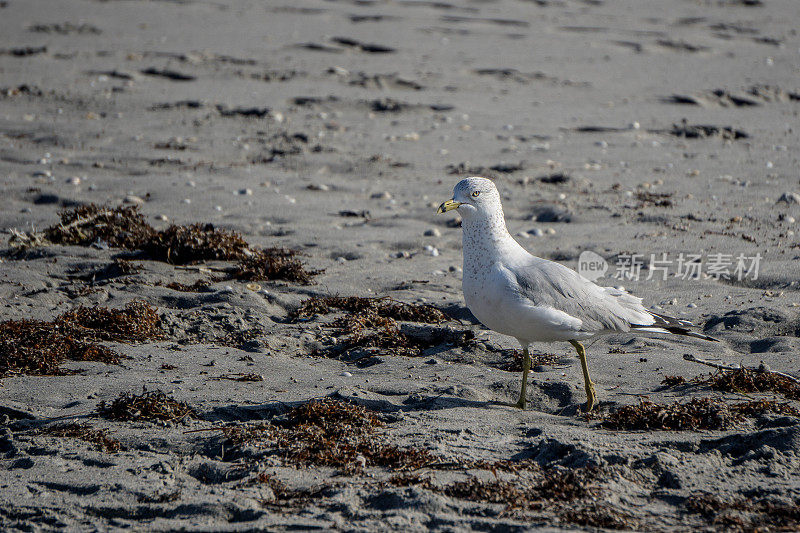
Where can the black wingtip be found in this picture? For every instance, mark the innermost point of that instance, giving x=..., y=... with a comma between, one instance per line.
x=689, y=333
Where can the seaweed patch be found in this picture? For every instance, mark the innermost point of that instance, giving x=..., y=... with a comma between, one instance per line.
x=124, y=227
x=328, y=433
x=747, y=381
x=154, y=406
x=370, y=325
x=384, y=307
x=38, y=348
x=696, y=414
x=83, y=432
x=35, y=347
x=745, y=514
x=137, y=322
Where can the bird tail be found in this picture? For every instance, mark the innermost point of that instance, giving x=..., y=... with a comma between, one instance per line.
x=673, y=326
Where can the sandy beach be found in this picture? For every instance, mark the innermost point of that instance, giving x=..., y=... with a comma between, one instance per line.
x=228, y=303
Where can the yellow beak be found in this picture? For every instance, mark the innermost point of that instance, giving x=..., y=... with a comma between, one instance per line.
x=449, y=205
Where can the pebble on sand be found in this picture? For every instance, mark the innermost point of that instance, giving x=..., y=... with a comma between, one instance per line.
x=433, y=232
x=790, y=198
x=133, y=199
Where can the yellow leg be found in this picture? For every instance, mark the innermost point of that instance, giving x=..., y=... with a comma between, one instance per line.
x=526, y=367
x=591, y=397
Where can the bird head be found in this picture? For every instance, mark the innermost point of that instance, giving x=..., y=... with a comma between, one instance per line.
x=473, y=197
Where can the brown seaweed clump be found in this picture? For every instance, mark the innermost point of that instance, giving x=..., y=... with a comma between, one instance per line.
x=383, y=307
x=547, y=487
x=515, y=363
x=745, y=514
x=83, y=432
x=696, y=414
x=137, y=322
x=571, y=493
x=329, y=432
x=759, y=407
x=409, y=479
x=154, y=406
x=35, y=347
x=240, y=377
x=370, y=325
x=179, y=245
x=124, y=227
x=38, y=348
x=673, y=381
x=744, y=380
x=119, y=227
x=273, y=263
x=513, y=494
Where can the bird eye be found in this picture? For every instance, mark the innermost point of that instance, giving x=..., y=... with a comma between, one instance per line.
x=476, y=194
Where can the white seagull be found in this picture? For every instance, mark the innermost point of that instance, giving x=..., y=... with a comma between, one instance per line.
x=535, y=300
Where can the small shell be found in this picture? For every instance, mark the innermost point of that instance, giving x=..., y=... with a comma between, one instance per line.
x=254, y=286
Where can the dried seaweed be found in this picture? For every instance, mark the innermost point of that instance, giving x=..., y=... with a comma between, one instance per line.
x=696, y=414
x=137, y=322
x=745, y=514
x=119, y=227
x=368, y=335
x=329, y=432
x=35, y=347
x=83, y=432
x=673, y=381
x=179, y=245
x=384, y=307
x=370, y=325
x=515, y=363
x=760, y=407
x=240, y=377
x=546, y=487
x=273, y=263
x=701, y=131
x=407, y=479
x=654, y=199
x=514, y=494
x=152, y=406
x=126, y=228
x=746, y=381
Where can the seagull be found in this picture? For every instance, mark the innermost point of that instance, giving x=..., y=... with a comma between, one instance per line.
x=535, y=300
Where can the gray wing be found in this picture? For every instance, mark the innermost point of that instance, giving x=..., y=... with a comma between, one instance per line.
x=549, y=284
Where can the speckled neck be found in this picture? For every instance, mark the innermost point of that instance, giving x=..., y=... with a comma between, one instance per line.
x=484, y=238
